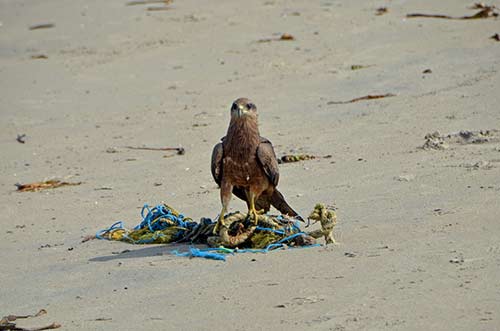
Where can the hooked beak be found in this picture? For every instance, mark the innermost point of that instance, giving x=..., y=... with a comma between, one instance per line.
x=241, y=111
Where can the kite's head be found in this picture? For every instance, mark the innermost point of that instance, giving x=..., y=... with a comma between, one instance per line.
x=243, y=108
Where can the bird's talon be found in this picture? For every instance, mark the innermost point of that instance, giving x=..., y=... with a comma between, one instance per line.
x=218, y=227
x=255, y=217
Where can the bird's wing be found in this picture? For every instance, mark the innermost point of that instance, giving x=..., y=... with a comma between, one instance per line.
x=216, y=165
x=268, y=161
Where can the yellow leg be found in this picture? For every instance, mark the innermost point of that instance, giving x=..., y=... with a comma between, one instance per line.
x=251, y=210
x=225, y=196
x=220, y=222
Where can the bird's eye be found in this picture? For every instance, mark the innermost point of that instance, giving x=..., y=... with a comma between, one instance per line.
x=250, y=106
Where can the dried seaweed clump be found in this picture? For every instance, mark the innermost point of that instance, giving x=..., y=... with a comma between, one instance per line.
x=289, y=158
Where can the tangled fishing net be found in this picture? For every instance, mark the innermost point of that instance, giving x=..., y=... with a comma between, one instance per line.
x=163, y=225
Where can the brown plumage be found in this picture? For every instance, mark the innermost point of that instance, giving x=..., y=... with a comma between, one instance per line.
x=244, y=163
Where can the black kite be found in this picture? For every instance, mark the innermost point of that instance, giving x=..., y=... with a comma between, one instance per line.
x=244, y=163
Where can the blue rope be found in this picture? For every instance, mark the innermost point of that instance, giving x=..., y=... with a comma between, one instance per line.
x=195, y=252
x=154, y=217
x=270, y=229
x=116, y=226
x=296, y=226
x=218, y=249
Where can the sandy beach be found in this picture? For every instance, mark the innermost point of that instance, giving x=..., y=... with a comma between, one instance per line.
x=418, y=233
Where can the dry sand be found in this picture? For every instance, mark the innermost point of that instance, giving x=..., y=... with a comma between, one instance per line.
x=418, y=232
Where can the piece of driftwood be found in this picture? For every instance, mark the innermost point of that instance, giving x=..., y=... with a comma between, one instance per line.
x=38, y=186
x=366, y=97
x=360, y=66
x=148, y=2
x=283, y=37
x=42, y=26
x=39, y=57
x=179, y=150
x=484, y=12
x=6, y=323
x=158, y=8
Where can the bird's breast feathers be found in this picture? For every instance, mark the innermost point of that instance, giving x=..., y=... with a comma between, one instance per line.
x=242, y=172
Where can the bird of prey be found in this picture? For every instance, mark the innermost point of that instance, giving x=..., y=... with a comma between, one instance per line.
x=244, y=164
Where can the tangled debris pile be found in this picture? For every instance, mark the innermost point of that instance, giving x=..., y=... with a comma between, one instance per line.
x=163, y=224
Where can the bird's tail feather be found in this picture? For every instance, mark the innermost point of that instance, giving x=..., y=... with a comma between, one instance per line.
x=278, y=201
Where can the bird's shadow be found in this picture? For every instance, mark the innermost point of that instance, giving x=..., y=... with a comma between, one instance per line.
x=155, y=250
